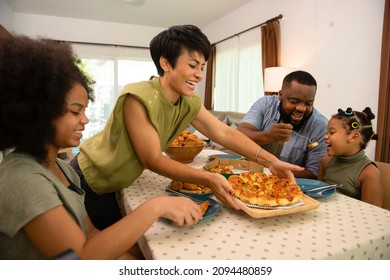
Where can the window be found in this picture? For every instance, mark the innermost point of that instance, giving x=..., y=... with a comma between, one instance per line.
x=238, y=72
x=112, y=67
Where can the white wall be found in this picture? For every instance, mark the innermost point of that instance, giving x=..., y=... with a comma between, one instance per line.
x=338, y=41
x=6, y=16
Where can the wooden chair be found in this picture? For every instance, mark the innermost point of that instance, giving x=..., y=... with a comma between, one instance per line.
x=384, y=168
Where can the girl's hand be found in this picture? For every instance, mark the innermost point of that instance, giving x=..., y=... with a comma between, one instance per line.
x=180, y=210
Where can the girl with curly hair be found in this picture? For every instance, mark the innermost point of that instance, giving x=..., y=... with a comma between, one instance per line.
x=346, y=163
x=43, y=99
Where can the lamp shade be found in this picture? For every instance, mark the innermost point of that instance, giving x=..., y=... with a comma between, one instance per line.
x=273, y=78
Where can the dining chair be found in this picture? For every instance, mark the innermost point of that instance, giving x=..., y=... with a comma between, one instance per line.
x=384, y=168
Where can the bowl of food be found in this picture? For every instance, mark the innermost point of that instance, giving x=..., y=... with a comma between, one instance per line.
x=185, y=147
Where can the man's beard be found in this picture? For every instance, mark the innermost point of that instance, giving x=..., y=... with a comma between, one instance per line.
x=285, y=118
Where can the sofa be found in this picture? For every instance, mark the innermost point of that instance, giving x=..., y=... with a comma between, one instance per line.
x=232, y=119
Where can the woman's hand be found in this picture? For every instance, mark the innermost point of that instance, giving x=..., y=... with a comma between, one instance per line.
x=284, y=169
x=221, y=188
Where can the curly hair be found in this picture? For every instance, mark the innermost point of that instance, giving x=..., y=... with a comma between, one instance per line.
x=171, y=42
x=358, y=121
x=35, y=78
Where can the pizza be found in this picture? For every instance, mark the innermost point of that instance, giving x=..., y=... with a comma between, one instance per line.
x=222, y=169
x=189, y=188
x=204, y=206
x=258, y=188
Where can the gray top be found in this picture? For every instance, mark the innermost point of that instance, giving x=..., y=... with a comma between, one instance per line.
x=265, y=112
x=28, y=189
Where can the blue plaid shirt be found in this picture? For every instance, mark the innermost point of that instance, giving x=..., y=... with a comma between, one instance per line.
x=265, y=112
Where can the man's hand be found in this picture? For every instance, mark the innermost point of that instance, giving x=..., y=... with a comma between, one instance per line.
x=280, y=132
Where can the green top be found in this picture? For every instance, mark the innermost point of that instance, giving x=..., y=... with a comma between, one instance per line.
x=108, y=160
x=29, y=189
x=346, y=171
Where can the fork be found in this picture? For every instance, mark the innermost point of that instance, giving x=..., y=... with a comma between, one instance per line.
x=320, y=190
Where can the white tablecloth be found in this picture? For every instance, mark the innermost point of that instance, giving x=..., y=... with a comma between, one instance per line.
x=341, y=228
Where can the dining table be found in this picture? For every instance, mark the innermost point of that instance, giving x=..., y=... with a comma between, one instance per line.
x=340, y=228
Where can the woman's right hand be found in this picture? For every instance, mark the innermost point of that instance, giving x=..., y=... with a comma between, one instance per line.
x=181, y=211
x=221, y=189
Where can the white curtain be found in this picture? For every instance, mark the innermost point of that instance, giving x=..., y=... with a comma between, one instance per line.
x=238, y=75
x=111, y=67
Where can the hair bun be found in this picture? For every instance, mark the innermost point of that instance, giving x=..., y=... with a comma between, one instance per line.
x=374, y=136
x=369, y=113
x=349, y=111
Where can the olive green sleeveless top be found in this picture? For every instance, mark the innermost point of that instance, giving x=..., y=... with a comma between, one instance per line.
x=108, y=160
x=346, y=171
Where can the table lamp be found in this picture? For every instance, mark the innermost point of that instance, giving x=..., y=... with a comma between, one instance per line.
x=273, y=78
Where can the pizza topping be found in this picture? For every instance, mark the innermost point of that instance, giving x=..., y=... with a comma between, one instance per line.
x=260, y=189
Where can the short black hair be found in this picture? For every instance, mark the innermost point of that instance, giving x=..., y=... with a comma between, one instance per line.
x=35, y=78
x=301, y=77
x=170, y=44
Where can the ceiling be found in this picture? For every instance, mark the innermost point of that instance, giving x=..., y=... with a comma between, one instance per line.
x=157, y=13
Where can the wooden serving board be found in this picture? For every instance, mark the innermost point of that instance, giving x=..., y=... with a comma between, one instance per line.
x=309, y=204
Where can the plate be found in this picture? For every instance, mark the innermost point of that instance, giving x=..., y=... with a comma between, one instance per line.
x=308, y=204
x=211, y=210
x=307, y=184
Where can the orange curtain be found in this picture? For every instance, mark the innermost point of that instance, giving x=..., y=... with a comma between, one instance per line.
x=4, y=32
x=270, y=43
x=208, y=95
x=382, y=152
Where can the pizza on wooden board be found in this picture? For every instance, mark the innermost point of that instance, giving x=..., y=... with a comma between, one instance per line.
x=259, y=188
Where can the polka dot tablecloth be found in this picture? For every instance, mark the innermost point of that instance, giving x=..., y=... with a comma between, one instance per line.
x=341, y=228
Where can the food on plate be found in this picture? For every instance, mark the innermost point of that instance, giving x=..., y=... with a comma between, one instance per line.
x=259, y=188
x=222, y=169
x=187, y=139
x=176, y=185
x=204, y=206
x=189, y=188
x=213, y=157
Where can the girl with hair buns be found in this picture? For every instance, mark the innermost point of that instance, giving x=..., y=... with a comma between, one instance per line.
x=346, y=163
